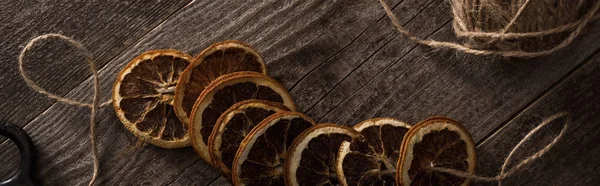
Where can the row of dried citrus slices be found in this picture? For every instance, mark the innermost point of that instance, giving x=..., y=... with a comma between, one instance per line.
x=243, y=122
x=381, y=151
x=155, y=94
x=391, y=152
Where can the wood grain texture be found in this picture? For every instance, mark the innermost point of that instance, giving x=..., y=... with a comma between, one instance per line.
x=591, y=178
x=194, y=28
x=342, y=62
x=106, y=28
x=10, y=159
x=574, y=160
x=479, y=91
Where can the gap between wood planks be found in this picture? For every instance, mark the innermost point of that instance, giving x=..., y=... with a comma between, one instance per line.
x=132, y=21
x=586, y=175
x=372, y=78
x=334, y=54
x=112, y=58
x=364, y=61
x=331, y=88
x=576, y=93
x=550, y=89
x=343, y=48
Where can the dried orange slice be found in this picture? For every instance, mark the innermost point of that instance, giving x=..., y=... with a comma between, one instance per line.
x=371, y=160
x=311, y=158
x=223, y=93
x=261, y=156
x=143, y=97
x=233, y=125
x=218, y=59
x=435, y=142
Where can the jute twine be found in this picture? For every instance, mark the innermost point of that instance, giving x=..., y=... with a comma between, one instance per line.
x=96, y=104
x=511, y=28
x=504, y=173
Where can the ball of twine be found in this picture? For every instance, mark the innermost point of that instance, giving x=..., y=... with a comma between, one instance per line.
x=512, y=28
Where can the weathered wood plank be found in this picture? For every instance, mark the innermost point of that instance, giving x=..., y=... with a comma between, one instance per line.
x=319, y=82
x=574, y=160
x=592, y=178
x=219, y=182
x=10, y=159
x=206, y=22
x=482, y=92
x=106, y=27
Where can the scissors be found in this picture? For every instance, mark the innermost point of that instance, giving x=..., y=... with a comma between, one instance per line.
x=25, y=174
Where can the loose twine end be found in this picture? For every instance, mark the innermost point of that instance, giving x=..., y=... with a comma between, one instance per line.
x=504, y=173
x=459, y=28
x=95, y=102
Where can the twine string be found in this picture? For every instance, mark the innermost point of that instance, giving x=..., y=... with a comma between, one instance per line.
x=95, y=102
x=505, y=174
x=511, y=23
x=459, y=28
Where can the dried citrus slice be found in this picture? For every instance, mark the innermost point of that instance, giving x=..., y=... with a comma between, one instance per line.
x=435, y=142
x=261, y=156
x=218, y=59
x=223, y=93
x=233, y=125
x=371, y=160
x=143, y=97
x=311, y=158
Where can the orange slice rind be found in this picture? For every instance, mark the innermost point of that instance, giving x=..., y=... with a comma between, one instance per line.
x=261, y=156
x=218, y=59
x=311, y=158
x=224, y=92
x=143, y=97
x=233, y=125
x=371, y=160
x=435, y=142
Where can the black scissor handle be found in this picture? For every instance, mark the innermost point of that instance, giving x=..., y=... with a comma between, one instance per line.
x=25, y=175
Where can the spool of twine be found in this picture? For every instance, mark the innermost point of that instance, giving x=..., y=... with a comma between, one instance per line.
x=512, y=28
x=97, y=104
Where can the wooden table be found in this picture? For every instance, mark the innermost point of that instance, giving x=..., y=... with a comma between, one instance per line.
x=341, y=60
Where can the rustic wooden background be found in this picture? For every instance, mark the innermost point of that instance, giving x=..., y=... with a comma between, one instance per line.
x=341, y=60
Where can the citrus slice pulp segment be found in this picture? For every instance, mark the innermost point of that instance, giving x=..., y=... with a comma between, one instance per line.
x=435, y=142
x=233, y=125
x=312, y=157
x=225, y=92
x=143, y=97
x=371, y=160
x=259, y=160
x=216, y=60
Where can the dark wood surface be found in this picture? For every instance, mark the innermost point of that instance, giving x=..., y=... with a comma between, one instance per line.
x=341, y=60
x=107, y=28
x=574, y=160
